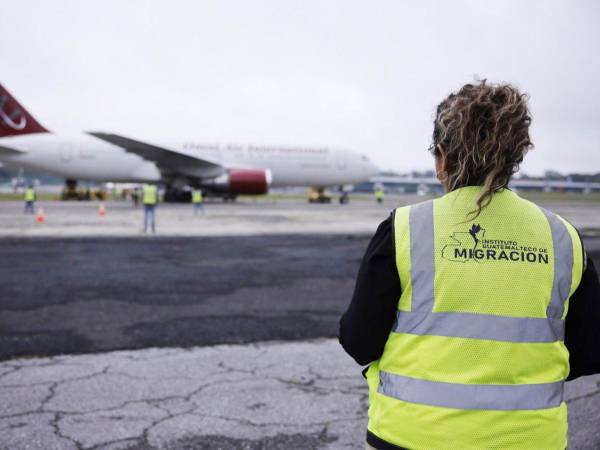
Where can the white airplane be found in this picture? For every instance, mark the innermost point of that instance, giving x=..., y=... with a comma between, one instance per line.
x=228, y=169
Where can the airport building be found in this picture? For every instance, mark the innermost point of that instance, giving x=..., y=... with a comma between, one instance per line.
x=408, y=184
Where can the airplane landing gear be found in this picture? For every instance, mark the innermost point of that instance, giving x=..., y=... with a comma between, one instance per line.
x=229, y=198
x=70, y=192
x=174, y=195
x=345, y=193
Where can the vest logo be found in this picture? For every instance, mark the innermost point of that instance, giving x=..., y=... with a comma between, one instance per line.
x=15, y=119
x=472, y=245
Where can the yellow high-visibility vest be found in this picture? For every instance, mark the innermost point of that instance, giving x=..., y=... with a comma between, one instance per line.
x=150, y=194
x=197, y=196
x=379, y=194
x=476, y=357
x=29, y=195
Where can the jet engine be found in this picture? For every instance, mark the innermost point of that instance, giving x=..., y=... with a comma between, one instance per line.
x=243, y=181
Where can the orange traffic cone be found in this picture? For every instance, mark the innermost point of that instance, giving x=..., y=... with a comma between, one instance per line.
x=101, y=210
x=39, y=217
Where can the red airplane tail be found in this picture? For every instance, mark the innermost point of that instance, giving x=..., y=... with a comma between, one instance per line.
x=14, y=119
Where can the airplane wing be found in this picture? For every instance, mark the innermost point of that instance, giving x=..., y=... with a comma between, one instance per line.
x=10, y=150
x=169, y=162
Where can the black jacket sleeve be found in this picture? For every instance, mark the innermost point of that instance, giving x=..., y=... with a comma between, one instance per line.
x=366, y=324
x=582, y=325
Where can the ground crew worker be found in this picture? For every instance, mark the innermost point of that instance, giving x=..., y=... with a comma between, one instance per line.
x=460, y=305
x=29, y=200
x=198, y=201
x=379, y=194
x=150, y=200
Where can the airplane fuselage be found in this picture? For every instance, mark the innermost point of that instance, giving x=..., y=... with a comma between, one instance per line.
x=85, y=157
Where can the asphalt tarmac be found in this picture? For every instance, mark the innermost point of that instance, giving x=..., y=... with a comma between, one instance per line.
x=82, y=295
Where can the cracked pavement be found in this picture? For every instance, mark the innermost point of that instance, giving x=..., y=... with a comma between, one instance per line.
x=289, y=395
x=303, y=395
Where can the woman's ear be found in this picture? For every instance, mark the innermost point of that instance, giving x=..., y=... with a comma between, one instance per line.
x=441, y=165
x=443, y=160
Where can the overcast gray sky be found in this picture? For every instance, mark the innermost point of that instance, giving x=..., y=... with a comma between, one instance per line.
x=364, y=75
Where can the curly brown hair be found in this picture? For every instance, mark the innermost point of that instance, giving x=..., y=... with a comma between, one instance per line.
x=483, y=130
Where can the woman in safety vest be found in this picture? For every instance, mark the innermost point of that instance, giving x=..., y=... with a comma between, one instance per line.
x=474, y=308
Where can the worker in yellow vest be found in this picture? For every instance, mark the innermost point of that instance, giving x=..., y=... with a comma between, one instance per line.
x=29, y=198
x=473, y=309
x=150, y=200
x=379, y=194
x=198, y=201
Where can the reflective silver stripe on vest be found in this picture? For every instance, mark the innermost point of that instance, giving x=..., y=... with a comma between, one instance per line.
x=471, y=396
x=479, y=326
x=422, y=256
x=563, y=265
